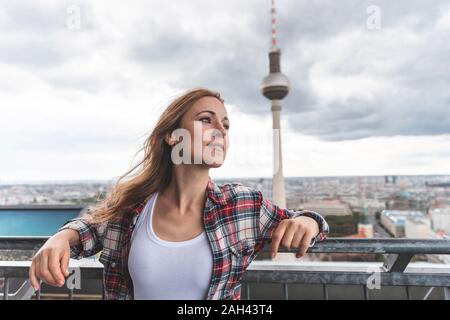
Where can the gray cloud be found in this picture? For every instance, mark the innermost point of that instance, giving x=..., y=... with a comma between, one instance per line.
x=41, y=18
x=318, y=20
x=84, y=83
x=415, y=106
x=36, y=36
x=33, y=53
x=405, y=60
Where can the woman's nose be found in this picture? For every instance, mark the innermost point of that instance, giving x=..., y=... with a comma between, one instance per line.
x=222, y=130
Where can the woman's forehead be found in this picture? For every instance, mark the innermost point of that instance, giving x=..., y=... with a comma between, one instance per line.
x=208, y=104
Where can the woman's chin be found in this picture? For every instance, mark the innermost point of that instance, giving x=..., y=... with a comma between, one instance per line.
x=215, y=165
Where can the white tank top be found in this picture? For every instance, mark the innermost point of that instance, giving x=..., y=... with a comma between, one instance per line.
x=168, y=270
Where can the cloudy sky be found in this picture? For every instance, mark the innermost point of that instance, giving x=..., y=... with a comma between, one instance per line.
x=83, y=82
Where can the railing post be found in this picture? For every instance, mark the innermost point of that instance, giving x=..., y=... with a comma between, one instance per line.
x=286, y=291
x=447, y=293
x=325, y=292
x=103, y=291
x=247, y=290
x=408, y=293
x=6, y=289
x=397, y=262
x=366, y=292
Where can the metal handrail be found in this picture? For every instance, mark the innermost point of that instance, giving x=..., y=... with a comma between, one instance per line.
x=382, y=245
x=22, y=243
x=330, y=245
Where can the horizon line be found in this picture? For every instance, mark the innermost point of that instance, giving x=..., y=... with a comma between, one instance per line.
x=68, y=181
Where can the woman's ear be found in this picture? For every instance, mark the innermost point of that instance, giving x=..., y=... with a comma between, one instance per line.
x=170, y=140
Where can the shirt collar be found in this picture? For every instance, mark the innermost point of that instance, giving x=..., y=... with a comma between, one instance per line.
x=215, y=193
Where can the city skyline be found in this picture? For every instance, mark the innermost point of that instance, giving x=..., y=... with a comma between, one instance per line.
x=436, y=178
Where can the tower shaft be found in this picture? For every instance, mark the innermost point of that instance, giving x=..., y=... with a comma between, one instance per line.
x=278, y=192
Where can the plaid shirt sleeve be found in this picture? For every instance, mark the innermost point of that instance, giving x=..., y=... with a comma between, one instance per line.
x=270, y=215
x=90, y=237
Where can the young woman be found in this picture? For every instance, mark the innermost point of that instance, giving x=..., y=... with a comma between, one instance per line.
x=169, y=231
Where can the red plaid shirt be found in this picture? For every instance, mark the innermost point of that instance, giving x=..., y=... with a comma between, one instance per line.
x=238, y=222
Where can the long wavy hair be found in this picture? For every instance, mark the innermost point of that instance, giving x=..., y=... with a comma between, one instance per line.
x=154, y=172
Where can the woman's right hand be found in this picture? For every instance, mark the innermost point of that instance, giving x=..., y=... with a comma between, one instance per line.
x=50, y=264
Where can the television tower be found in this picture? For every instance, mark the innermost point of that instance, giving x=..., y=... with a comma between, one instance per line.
x=275, y=87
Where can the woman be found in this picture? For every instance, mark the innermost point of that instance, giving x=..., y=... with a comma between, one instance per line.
x=169, y=231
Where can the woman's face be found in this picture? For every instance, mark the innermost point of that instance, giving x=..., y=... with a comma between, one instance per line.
x=207, y=125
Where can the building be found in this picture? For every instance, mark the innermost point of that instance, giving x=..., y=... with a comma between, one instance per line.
x=394, y=220
x=365, y=228
x=407, y=200
x=343, y=222
x=417, y=227
x=328, y=207
x=440, y=218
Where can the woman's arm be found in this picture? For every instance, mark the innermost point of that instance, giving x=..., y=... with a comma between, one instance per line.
x=50, y=264
x=90, y=237
x=77, y=238
x=289, y=227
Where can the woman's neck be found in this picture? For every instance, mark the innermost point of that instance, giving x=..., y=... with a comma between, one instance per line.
x=187, y=188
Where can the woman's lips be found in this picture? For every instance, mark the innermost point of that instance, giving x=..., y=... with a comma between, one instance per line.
x=215, y=145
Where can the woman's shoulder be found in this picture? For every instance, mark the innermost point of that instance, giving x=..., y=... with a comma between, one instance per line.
x=237, y=189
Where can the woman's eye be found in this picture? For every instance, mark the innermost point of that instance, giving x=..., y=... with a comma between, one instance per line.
x=205, y=120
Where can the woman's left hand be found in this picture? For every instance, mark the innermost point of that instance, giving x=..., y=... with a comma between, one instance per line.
x=294, y=233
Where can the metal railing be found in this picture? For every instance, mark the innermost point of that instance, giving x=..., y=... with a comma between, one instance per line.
x=14, y=271
x=397, y=269
x=393, y=272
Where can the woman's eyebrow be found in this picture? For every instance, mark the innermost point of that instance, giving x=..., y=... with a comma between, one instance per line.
x=213, y=113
